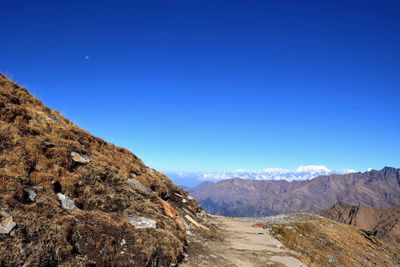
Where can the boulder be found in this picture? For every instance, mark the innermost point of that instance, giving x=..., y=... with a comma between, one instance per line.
x=49, y=144
x=142, y=222
x=138, y=186
x=66, y=202
x=80, y=158
x=6, y=224
x=182, y=197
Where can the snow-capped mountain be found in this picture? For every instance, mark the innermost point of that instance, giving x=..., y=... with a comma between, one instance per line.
x=189, y=179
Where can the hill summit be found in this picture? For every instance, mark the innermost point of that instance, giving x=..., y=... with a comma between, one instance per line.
x=69, y=198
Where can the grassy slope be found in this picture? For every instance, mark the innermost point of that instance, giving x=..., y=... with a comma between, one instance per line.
x=323, y=242
x=35, y=147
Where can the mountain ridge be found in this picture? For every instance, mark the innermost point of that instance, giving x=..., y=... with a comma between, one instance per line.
x=192, y=179
x=240, y=197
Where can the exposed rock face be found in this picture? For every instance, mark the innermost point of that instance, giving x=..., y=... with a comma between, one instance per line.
x=171, y=212
x=239, y=197
x=384, y=223
x=41, y=149
x=361, y=216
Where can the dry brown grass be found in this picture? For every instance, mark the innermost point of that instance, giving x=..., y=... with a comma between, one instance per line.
x=35, y=147
x=318, y=239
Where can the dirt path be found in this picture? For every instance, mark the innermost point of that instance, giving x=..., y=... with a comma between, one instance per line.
x=241, y=245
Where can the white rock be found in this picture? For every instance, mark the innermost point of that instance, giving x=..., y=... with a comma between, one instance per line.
x=79, y=158
x=66, y=202
x=183, y=199
x=190, y=219
x=142, y=222
x=6, y=224
x=185, y=210
x=331, y=258
x=198, y=225
x=188, y=232
x=32, y=195
x=179, y=195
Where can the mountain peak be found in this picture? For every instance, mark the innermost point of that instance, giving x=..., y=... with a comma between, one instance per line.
x=379, y=189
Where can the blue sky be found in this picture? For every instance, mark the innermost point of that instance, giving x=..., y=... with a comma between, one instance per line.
x=218, y=85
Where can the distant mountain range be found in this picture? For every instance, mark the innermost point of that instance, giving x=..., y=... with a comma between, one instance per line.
x=191, y=179
x=243, y=197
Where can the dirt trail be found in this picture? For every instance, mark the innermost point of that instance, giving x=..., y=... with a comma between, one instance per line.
x=241, y=245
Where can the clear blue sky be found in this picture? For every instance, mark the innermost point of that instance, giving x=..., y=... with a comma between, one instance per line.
x=218, y=85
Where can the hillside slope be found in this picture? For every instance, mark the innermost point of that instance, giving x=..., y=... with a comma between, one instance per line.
x=323, y=242
x=292, y=240
x=384, y=223
x=239, y=197
x=69, y=198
